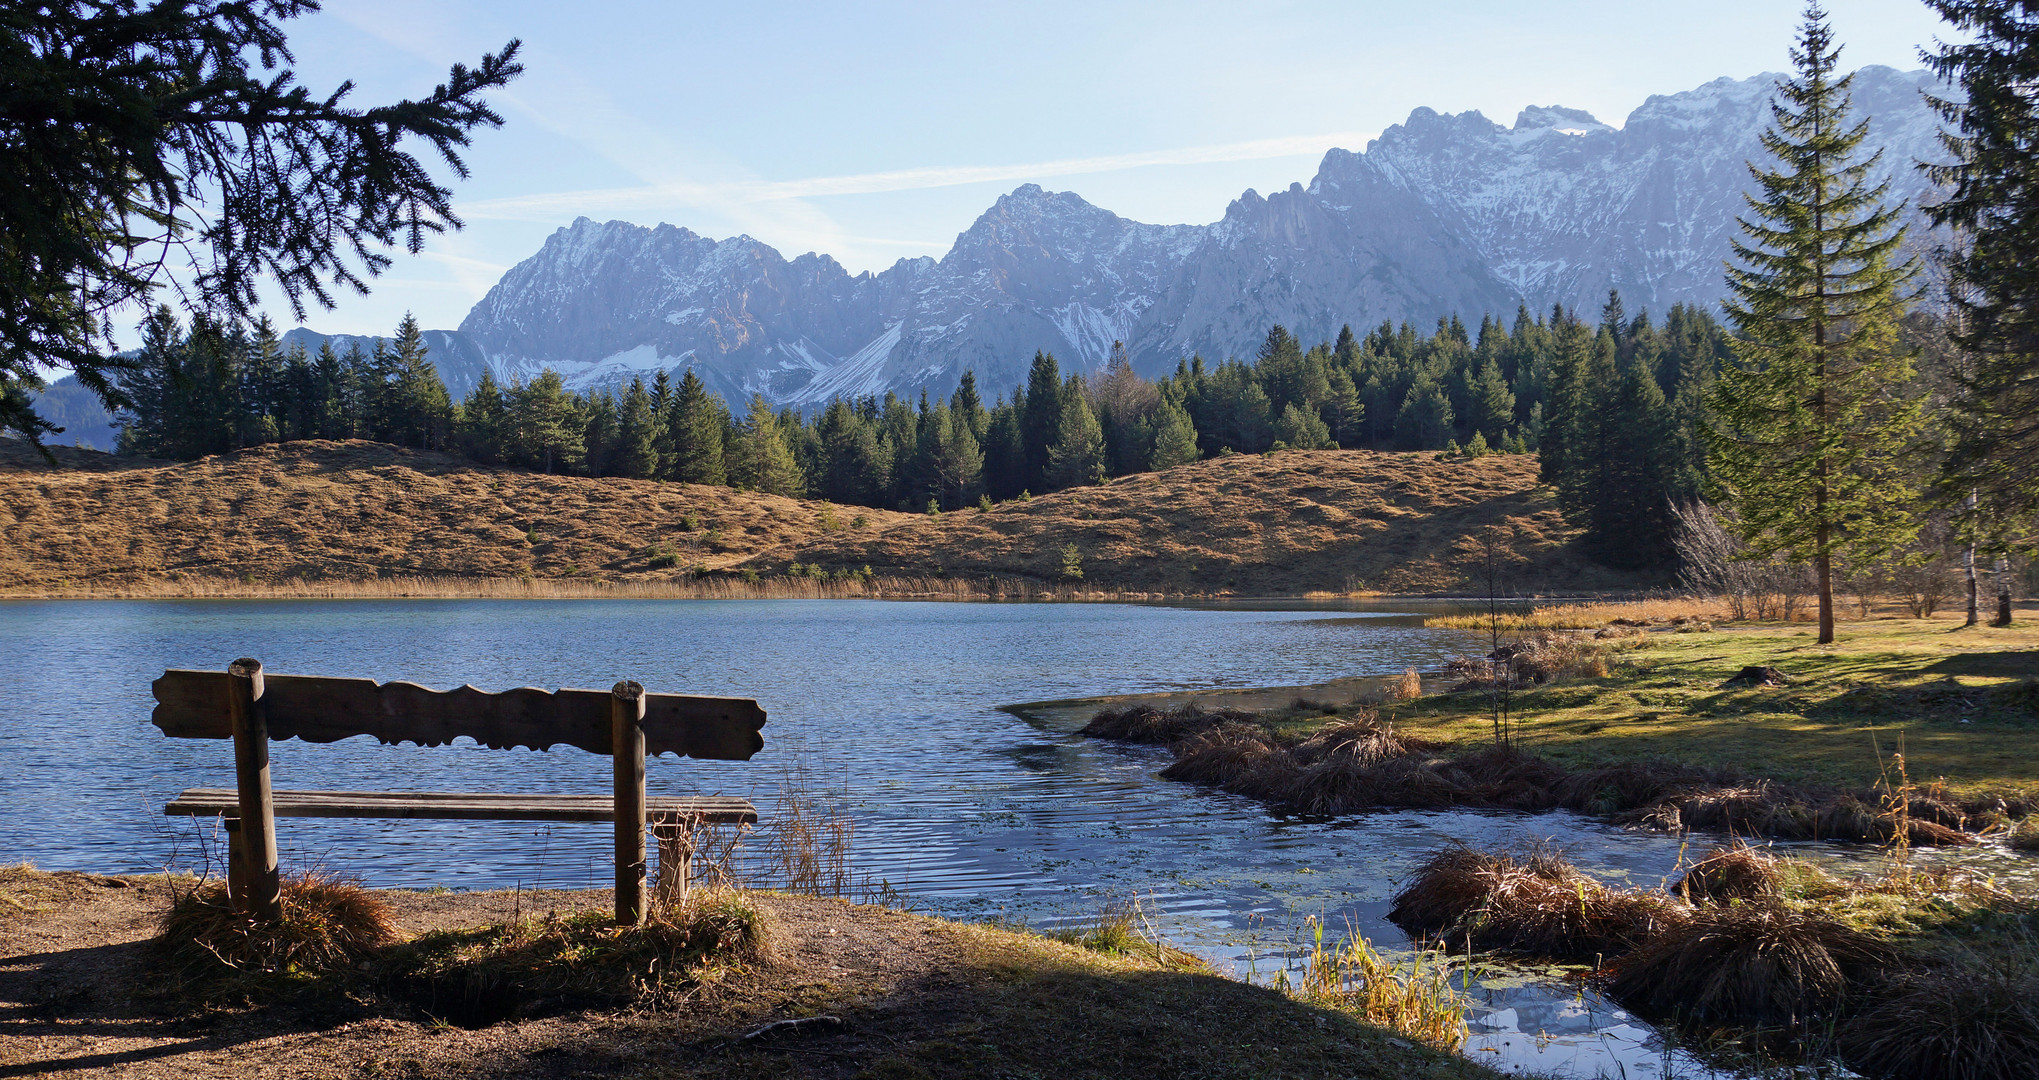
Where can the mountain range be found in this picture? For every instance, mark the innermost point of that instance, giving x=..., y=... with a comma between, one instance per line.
x=1442, y=214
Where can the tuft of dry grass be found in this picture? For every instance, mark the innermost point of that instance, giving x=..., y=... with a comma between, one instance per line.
x=1540, y=904
x=1974, y=1019
x=2024, y=836
x=1407, y=688
x=1728, y=874
x=1750, y=962
x=1146, y=724
x=1416, y=999
x=330, y=925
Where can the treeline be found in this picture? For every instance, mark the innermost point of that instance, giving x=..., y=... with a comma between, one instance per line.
x=1543, y=380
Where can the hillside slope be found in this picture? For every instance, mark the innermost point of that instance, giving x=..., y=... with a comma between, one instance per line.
x=1280, y=524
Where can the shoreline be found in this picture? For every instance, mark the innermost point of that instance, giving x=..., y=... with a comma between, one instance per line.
x=830, y=989
x=1597, y=737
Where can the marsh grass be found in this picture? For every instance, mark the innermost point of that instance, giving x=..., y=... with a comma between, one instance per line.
x=1415, y=998
x=1679, y=612
x=330, y=926
x=1751, y=962
x=1535, y=902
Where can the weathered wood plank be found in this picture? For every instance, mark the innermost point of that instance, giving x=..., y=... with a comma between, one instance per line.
x=321, y=709
x=248, y=719
x=456, y=806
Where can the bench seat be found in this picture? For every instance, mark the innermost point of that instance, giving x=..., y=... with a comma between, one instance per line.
x=473, y=806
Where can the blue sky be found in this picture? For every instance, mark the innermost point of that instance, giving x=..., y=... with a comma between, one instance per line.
x=875, y=131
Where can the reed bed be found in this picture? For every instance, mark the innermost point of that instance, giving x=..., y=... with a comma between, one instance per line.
x=1680, y=612
x=1416, y=998
x=712, y=587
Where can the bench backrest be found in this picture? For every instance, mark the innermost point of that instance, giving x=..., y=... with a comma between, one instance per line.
x=317, y=709
x=252, y=707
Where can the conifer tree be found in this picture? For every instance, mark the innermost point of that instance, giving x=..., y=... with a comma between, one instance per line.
x=1077, y=458
x=662, y=398
x=1992, y=206
x=696, y=424
x=636, y=452
x=549, y=432
x=1175, y=441
x=1041, y=421
x=1301, y=429
x=763, y=461
x=421, y=410
x=1425, y=420
x=1808, y=427
x=482, y=421
x=1347, y=412
x=1492, y=404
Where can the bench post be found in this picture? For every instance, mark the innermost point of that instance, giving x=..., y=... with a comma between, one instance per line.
x=264, y=885
x=626, y=734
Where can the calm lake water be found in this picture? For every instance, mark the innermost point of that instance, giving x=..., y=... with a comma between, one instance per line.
x=965, y=810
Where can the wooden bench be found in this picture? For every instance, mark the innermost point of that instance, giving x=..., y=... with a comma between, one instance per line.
x=624, y=723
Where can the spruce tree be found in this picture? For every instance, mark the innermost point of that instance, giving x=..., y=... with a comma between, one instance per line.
x=1425, y=420
x=696, y=424
x=1991, y=202
x=763, y=461
x=1301, y=429
x=1175, y=441
x=482, y=421
x=1491, y=403
x=1077, y=458
x=636, y=452
x=416, y=408
x=547, y=429
x=1041, y=422
x=1807, y=425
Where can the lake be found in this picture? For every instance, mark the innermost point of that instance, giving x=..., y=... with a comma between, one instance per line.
x=960, y=809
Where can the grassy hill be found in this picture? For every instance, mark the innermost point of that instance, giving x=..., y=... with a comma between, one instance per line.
x=357, y=512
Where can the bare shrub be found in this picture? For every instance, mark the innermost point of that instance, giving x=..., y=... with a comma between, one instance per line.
x=1717, y=564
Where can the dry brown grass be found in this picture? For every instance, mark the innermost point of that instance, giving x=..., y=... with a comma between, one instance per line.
x=1727, y=874
x=1146, y=724
x=1975, y=1019
x=367, y=519
x=329, y=927
x=1538, y=903
x=1694, y=612
x=1750, y=962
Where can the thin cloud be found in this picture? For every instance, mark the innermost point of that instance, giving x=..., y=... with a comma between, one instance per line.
x=654, y=196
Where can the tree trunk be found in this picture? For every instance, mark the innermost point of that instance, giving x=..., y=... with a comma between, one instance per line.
x=1968, y=569
x=1825, y=564
x=2003, y=592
